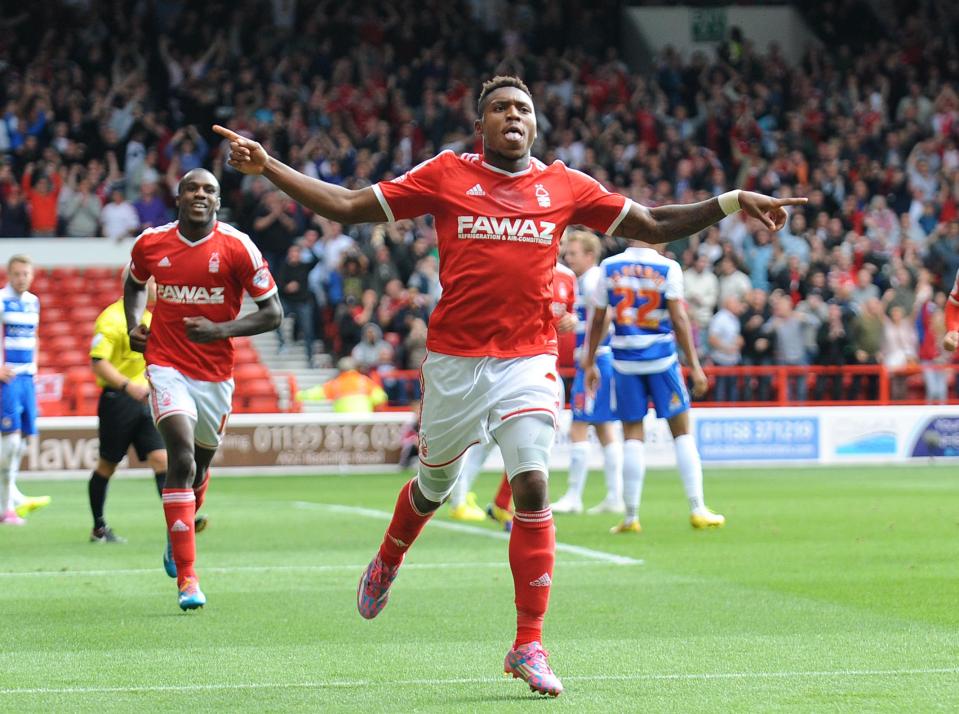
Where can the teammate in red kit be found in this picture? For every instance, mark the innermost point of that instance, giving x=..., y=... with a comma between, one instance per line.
x=201, y=267
x=491, y=369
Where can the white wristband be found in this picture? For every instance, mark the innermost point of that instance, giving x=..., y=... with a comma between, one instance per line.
x=729, y=202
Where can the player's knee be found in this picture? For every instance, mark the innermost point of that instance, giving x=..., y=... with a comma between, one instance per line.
x=181, y=468
x=436, y=483
x=525, y=442
x=105, y=468
x=530, y=491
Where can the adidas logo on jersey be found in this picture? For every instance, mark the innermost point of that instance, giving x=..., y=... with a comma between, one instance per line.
x=179, y=527
x=477, y=190
x=164, y=262
x=190, y=294
x=543, y=581
x=524, y=230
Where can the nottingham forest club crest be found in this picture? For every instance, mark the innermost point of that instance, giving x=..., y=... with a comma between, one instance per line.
x=542, y=196
x=214, y=262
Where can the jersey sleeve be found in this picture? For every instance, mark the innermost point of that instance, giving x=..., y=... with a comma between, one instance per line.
x=416, y=192
x=253, y=270
x=674, y=282
x=105, y=337
x=138, y=264
x=594, y=206
x=598, y=298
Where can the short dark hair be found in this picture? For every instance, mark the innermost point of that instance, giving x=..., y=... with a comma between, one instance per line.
x=498, y=82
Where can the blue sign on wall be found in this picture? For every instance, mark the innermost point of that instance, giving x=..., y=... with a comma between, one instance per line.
x=757, y=438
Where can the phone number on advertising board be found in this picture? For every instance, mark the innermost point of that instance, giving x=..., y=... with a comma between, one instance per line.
x=758, y=431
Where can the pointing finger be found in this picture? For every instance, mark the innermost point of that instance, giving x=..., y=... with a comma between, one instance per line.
x=224, y=132
x=794, y=201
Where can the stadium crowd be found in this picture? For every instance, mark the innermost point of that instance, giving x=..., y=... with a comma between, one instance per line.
x=95, y=133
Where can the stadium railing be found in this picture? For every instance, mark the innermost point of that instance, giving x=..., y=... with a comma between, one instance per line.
x=767, y=386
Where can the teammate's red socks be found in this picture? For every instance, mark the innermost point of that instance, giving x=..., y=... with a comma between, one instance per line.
x=403, y=529
x=179, y=507
x=532, y=552
x=200, y=491
x=504, y=496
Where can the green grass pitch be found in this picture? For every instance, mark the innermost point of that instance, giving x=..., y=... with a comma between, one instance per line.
x=829, y=590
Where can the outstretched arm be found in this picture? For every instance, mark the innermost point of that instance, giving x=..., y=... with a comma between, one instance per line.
x=328, y=200
x=668, y=223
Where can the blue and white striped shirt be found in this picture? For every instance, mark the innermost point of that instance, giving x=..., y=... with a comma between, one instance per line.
x=20, y=318
x=637, y=284
x=587, y=285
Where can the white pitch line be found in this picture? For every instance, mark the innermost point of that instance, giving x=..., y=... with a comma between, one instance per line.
x=360, y=567
x=365, y=683
x=471, y=530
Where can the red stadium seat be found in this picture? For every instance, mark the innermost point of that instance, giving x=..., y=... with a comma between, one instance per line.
x=262, y=387
x=85, y=315
x=51, y=327
x=246, y=355
x=250, y=370
x=62, y=273
x=85, y=398
x=71, y=358
x=101, y=274
x=54, y=409
x=263, y=405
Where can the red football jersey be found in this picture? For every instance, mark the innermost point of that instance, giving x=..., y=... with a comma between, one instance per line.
x=498, y=235
x=202, y=279
x=564, y=301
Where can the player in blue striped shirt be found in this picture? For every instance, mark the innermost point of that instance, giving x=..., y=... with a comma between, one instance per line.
x=19, y=321
x=582, y=252
x=644, y=292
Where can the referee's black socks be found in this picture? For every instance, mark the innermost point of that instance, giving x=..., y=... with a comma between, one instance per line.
x=97, y=490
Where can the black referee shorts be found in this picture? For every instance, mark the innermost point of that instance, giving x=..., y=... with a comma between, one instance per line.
x=125, y=421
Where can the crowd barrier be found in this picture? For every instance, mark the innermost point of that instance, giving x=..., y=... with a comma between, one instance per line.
x=776, y=385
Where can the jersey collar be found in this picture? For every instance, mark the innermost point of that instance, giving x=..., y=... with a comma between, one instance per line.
x=192, y=243
x=504, y=172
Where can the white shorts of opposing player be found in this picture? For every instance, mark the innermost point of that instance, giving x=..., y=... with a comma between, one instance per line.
x=476, y=400
x=207, y=404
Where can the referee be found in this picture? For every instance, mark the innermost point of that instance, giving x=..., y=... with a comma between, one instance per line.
x=124, y=416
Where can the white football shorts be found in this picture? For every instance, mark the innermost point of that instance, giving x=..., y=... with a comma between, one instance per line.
x=466, y=399
x=208, y=404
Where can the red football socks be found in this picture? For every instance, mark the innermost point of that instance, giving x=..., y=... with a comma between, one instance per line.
x=403, y=529
x=179, y=508
x=532, y=552
x=200, y=491
x=505, y=494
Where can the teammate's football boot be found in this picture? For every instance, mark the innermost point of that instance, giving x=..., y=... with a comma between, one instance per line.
x=528, y=662
x=105, y=535
x=468, y=510
x=168, y=563
x=190, y=597
x=200, y=522
x=625, y=527
x=704, y=518
x=501, y=516
x=374, y=588
x=10, y=518
x=29, y=505
x=567, y=504
x=607, y=505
